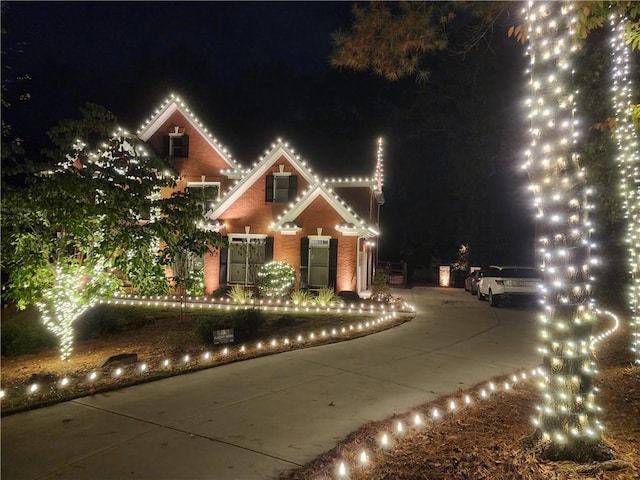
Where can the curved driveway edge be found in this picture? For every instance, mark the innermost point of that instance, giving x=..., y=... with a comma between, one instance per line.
x=254, y=419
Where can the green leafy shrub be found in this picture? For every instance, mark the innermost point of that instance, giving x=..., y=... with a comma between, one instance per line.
x=302, y=297
x=25, y=335
x=276, y=280
x=103, y=320
x=379, y=287
x=194, y=285
x=240, y=294
x=246, y=325
x=326, y=297
x=221, y=292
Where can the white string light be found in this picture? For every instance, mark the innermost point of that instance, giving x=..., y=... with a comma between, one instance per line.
x=562, y=199
x=628, y=161
x=226, y=352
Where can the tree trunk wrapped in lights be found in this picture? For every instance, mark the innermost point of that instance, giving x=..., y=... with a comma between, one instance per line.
x=628, y=160
x=73, y=290
x=566, y=418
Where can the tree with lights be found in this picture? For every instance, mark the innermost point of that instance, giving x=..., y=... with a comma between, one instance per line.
x=396, y=42
x=90, y=219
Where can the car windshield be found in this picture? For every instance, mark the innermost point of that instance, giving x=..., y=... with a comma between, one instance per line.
x=520, y=273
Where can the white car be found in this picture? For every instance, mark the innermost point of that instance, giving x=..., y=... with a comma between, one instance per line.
x=509, y=283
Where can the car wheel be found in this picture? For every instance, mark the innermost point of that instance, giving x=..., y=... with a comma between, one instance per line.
x=494, y=300
x=480, y=295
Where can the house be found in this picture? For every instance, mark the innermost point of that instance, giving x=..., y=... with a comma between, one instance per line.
x=277, y=209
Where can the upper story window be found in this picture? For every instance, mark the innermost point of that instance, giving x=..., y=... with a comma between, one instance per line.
x=176, y=143
x=281, y=187
x=206, y=194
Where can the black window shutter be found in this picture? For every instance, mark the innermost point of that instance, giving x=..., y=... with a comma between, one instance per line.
x=268, y=250
x=185, y=146
x=333, y=262
x=268, y=193
x=304, y=263
x=223, y=261
x=165, y=146
x=293, y=187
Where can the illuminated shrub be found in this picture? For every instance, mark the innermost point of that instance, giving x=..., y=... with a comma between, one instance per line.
x=276, y=280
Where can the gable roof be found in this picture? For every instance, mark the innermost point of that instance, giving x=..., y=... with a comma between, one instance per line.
x=279, y=149
x=168, y=108
x=352, y=222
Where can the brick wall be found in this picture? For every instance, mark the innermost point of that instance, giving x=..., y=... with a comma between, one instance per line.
x=203, y=158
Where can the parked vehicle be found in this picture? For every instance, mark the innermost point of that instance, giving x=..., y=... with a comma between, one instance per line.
x=501, y=283
x=471, y=282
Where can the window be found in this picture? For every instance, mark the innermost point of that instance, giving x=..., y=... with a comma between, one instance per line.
x=281, y=187
x=246, y=256
x=318, y=263
x=205, y=193
x=176, y=145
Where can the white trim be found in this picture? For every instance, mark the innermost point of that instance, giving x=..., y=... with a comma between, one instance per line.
x=318, y=191
x=163, y=116
x=319, y=237
x=202, y=184
x=261, y=169
x=246, y=236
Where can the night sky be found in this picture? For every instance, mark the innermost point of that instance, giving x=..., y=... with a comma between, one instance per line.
x=253, y=71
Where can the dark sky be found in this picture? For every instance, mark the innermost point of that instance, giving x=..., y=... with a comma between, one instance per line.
x=128, y=56
x=253, y=71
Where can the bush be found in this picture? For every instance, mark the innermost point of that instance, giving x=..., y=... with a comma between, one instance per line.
x=326, y=297
x=221, y=292
x=103, y=320
x=246, y=325
x=302, y=297
x=194, y=285
x=276, y=280
x=240, y=294
x=25, y=335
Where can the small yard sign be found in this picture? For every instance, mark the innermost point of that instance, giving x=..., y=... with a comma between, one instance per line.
x=223, y=336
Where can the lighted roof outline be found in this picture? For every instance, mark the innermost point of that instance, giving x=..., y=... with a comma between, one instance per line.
x=312, y=193
x=164, y=112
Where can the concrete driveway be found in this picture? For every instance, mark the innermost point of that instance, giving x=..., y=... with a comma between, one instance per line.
x=254, y=419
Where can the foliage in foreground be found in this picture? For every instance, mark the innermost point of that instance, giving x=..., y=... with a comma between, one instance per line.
x=90, y=216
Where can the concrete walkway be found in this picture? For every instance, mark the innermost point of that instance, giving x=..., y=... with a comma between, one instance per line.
x=254, y=419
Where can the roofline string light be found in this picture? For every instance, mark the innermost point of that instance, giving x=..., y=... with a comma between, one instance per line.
x=628, y=161
x=326, y=183
x=379, y=174
x=174, y=98
x=567, y=413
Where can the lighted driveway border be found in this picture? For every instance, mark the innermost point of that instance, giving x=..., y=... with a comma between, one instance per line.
x=254, y=419
x=142, y=372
